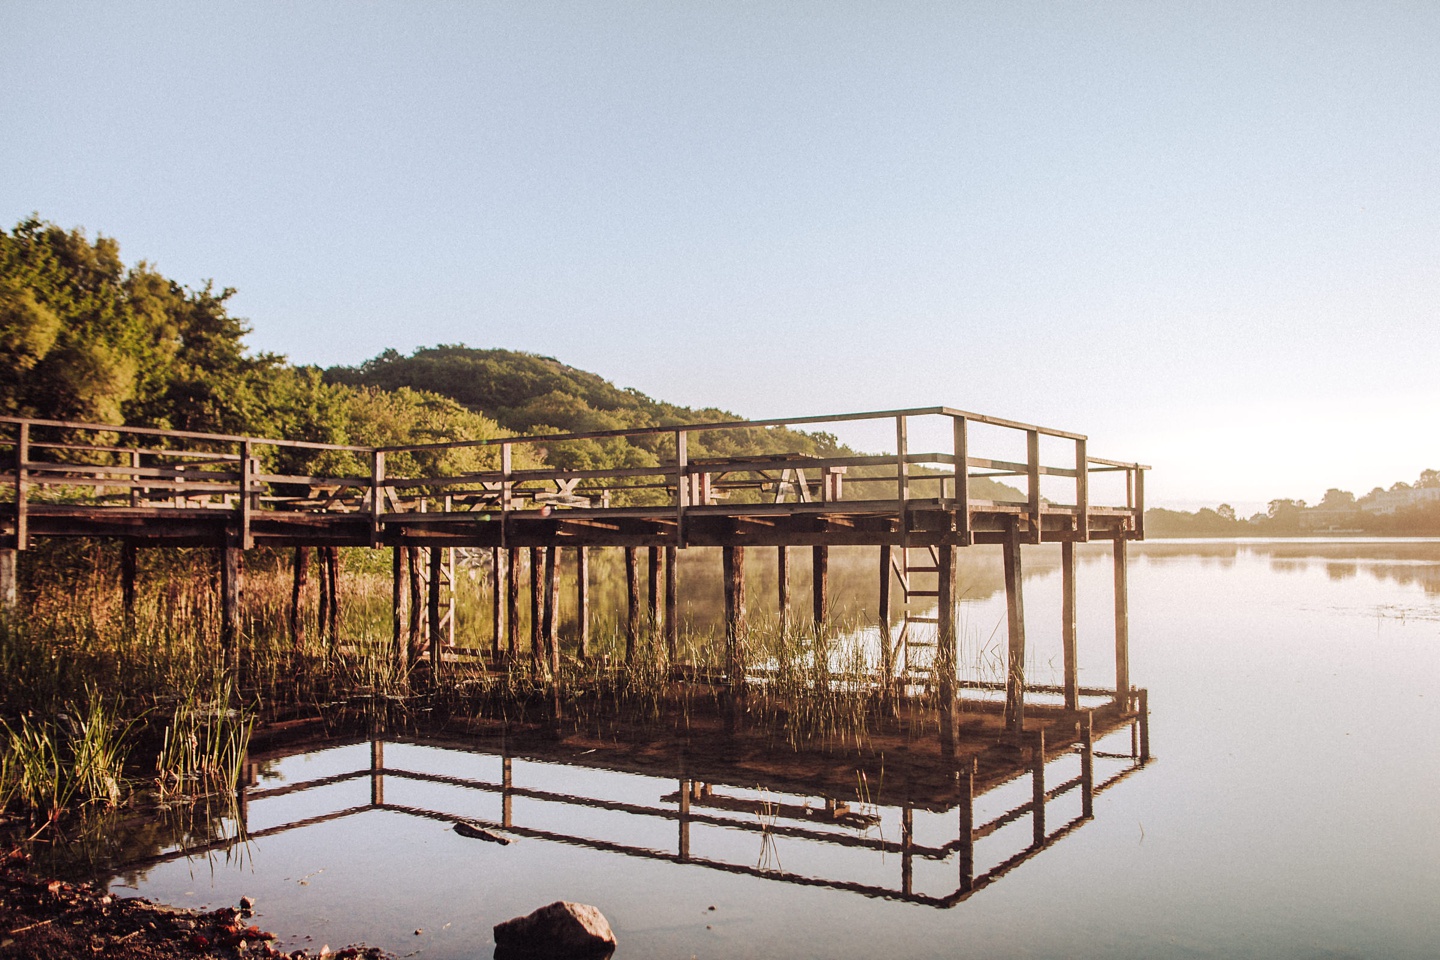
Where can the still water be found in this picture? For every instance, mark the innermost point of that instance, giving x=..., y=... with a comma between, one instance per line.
x=1291, y=810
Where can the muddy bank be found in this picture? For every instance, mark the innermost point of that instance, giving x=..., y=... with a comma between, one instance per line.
x=41, y=919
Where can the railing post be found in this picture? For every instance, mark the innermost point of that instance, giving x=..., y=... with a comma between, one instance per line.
x=22, y=456
x=1032, y=469
x=377, y=495
x=506, y=486
x=681, y=491
x=247, y=506
x=902, y=467
x=135, y=479
x=962, y=480
x=1139, y=502
x=1082, y=491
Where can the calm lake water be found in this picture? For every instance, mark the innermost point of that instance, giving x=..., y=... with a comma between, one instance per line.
x=1291, y=810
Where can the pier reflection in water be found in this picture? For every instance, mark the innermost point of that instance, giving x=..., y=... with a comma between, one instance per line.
x=921, y=841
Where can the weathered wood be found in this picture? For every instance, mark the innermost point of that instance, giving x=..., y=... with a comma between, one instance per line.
x=437, y=558
x=497, y=600
x=512, y=603
x=656, y=624
x=782, y=577
x=945, y=652
x=537, y=605
x=672, y=605
x=552, y=610
x=415, y=633
x=1036, y=506
x=960, y=430
x=22, y=505
x=232, y=591
x=736, y=621
x=128, y=563
x=9, y=582
x=965, y=783
x=397, y=605
x=1067, y=625
x=907, y=849
x=1142, y=707
x=1037, y=789
x=684, y=818
x=632, y=602
x=323, y=615
x=582, y=600
x=1122, y=625
x=820, y=588
x=1015, y=659
x=887, y=637
x=377, y=772
x=332, y=564
x=1087, y=765
x=299, y=584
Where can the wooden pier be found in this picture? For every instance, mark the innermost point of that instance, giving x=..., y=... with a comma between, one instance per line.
x=156, y=488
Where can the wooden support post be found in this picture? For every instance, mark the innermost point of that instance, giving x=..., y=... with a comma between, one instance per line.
x=9, y=582
x=684, y=818
x=397, y=604
x=432, y=608
x=1067, y=625
x=1037, y=788
x=945, y=652
x=512, y=603
x=377, y=773
x=961, y=440
x=377, y=496
x=907, y=849
x=417, y=608
x=632, y=602
x=299, y=581
x=332, y=564
x=1087, y=765
x=552, y=611
x=582, y=599
x=782, y=576
x=537, y=605
x=232, y=591
x=1082, y=491
x=733, y=561
x=656, y=624
x=1015, y=662
x=507, y=785
x=1143, y=708
x=128, y=558
x=820, y=585
x=497, y=600
x=249, y=491
x=323, y=575
x=672, y=605
x=967, y=825
x=1122, y=626
x=887, y=639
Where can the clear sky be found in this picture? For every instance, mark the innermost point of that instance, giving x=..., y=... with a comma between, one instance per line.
x=1205, y=234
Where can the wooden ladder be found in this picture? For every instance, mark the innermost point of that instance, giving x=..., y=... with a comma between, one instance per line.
x=916, y=569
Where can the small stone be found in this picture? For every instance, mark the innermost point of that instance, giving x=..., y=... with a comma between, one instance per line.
x=247, y=904
x=560, y=930
x=712, y=907
x=418, y=931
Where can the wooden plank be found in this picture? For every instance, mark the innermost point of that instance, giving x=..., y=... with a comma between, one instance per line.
x=902, y=464
x=1015, y=660
x=377, y=496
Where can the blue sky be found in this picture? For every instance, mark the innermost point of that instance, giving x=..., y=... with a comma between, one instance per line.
x=1204, y=234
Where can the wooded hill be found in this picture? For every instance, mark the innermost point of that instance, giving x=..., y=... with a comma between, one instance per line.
x=84, y=337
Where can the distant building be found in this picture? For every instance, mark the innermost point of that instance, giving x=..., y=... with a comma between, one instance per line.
x=1392, y=501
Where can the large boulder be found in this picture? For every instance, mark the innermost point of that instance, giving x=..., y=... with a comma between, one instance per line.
x=561, y=931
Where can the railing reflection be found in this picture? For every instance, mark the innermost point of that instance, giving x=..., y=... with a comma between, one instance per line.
x=698, y=802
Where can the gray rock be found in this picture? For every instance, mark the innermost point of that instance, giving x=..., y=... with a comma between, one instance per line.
x=558, y=932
